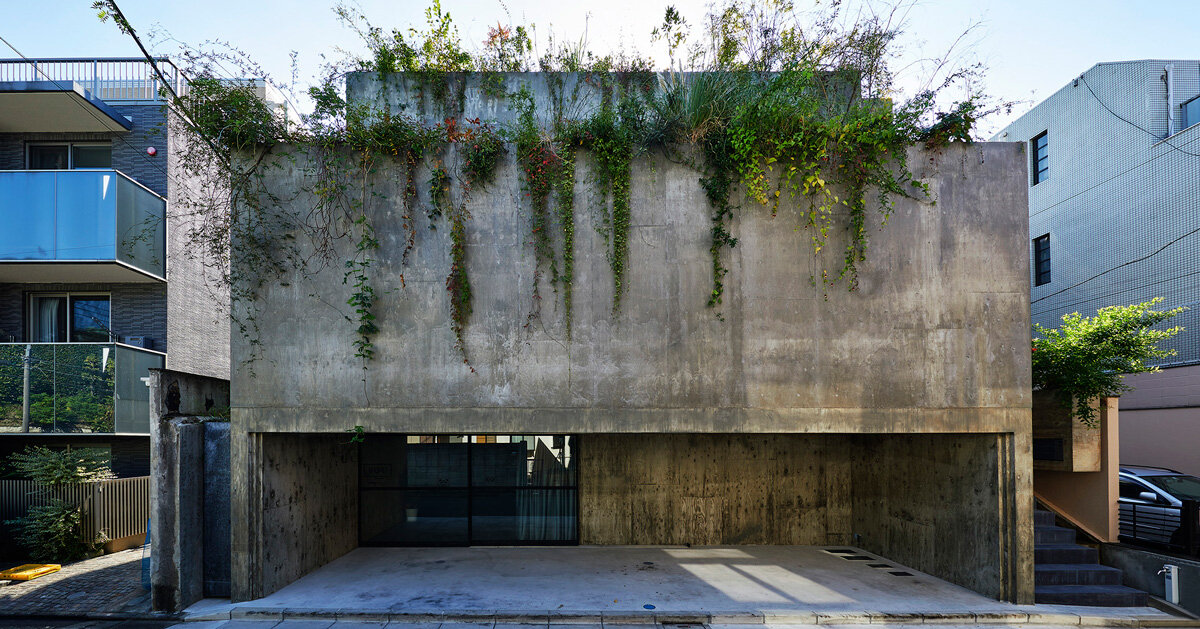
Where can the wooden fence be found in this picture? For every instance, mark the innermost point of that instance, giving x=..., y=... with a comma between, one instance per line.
x=112, y=509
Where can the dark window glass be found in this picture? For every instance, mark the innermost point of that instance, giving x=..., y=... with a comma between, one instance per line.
x=1041, y=159
x=1041, y=260
x=48, y=157
x=436, y=465
x=91, y=156
x=413, y=516
x=1130, y=489
x=463, y=489
x=89, y=319
x=523, y=515
x=1191, y=112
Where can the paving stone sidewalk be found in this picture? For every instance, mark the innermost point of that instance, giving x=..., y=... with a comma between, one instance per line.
x=108, y=584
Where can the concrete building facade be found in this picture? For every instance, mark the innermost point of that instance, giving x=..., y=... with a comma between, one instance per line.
x=1114, y=212
x=97, y=282
x=895, y=418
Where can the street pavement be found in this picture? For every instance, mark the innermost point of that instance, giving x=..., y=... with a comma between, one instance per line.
x=106, y=584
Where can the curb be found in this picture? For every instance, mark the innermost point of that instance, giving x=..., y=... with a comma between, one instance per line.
x=592, y=617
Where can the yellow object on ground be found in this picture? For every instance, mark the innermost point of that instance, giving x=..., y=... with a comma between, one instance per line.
x=29, y=571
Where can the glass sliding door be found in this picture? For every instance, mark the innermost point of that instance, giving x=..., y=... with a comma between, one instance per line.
x=73, y=318
x=430, y=490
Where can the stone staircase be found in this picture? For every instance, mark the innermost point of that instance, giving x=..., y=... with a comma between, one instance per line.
x=1070, y=574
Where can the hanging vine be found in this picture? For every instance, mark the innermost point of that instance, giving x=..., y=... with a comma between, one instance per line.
x=564, y=204
x=762, y=110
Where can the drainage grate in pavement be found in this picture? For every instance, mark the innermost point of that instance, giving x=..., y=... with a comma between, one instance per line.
x=858, y=558
x=878, y=565
x=840, y=551
x=901, y=573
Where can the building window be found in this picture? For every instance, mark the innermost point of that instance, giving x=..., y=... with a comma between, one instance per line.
x=1040, y=167
x=1191, y=112
x=69, y=155
x=69, y=318
x=1041, y=260
x=438, y=490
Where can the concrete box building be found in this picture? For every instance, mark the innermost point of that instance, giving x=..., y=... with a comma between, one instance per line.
x=97, y=284
x=1114, y=212
x=894, y=418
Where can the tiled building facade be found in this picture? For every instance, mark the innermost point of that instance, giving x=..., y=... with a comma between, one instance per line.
x=97, y=283
x=1114, y=219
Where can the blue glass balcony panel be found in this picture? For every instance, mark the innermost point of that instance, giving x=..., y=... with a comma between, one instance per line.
x=76, y=387
x=81, y=216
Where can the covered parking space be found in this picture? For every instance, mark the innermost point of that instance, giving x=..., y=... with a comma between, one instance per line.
x=638, y=584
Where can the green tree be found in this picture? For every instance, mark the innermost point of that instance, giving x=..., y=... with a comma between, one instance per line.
x=1086, y=357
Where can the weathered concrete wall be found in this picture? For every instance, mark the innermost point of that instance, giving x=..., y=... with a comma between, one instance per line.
x=1139, y=569
x=714, y=489
x=949, y=505
x=185, y=482
x=177, y=514
x=897, y=495
x=216, y=509
x=301, y=512
x=934, y=340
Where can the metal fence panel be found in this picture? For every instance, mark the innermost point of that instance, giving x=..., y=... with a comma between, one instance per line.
x=112, y=509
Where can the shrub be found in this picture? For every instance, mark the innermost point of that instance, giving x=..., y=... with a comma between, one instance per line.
x=1085, y=357
x=53, y=530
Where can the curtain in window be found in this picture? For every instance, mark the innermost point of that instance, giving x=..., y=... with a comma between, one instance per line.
x=548, y=514
x=48, y=312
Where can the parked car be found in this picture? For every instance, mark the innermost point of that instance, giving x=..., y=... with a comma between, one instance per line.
x=1151, y=502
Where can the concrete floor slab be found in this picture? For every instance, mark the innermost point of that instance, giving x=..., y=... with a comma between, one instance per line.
x=742, y=585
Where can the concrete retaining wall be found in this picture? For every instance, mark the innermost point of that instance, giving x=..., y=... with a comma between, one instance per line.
x=302, y=509
x=189, y=521
x=714, y=489
x=896, y=495
x=1140, y=570
x=949, y=505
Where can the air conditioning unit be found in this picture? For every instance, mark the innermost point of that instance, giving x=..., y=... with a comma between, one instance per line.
x=143, y=342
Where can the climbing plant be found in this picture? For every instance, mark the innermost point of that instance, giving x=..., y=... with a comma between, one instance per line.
x=767, y=105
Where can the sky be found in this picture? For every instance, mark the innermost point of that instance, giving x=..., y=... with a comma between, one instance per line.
x=1031, y=47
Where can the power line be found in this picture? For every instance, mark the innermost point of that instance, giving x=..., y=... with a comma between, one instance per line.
x=145, y=158
x=1119, y=266
x=1120, y=291
x=1134, y=124
x=1130, y=169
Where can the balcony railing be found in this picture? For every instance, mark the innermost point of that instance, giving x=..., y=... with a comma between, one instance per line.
x=75, y=387
x=81, y=215
x=110, y=79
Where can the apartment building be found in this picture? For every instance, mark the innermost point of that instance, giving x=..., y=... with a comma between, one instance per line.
x=1114, y=219
x=97, y=284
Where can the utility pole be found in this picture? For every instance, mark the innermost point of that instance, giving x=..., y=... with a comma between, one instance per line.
x=25, y=391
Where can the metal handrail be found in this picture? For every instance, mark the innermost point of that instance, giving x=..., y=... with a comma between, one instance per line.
x=110, y=78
